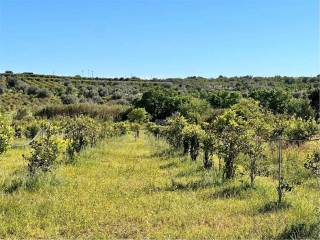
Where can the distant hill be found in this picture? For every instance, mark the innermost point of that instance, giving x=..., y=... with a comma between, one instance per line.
x=30, y=89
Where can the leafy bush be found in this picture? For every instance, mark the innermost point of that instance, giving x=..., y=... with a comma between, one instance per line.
x=43, y=93
x=16, y=84
x=32, y=129
x=121, y=128
x=107, y=130
x=138, y=115
x=313, y=164
x=69, y=99
x=302, y=130
x=174, y=130
x=195, y=109
x=300, y=108
x=155, y=129
x=80, y=132
x=44, y=151
x=160, y=103
x=276, y=100
x=21, y=114
x=2, y=89
x=192, y=135
x=224, y=99
x=32, y=90
x=240, y=129
x=6, y=134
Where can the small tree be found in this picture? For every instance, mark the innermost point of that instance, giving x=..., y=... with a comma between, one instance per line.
x=121, y=128
x=173, y=132
x=192, y=134
x=258, y=130
x=155, y=129
x=6, y=134
x=239, y=130
x=137, y=116
x=230, y=130
x=80, y=133
x=44, y=151
x=313, y=164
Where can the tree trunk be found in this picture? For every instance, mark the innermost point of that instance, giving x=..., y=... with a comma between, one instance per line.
x=185, y=147
x=253, y=170
x=194, y=149
x=207, y=163
x=280, y=178
x=229, y=169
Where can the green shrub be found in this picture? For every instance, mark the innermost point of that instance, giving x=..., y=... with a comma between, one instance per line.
x=173, y=131
x=193, y=135
x=43, y=93
x=121, y=128
x=313, y=164
x=44, y=151
x=224, y=99
x=138, y=115
x=81, y=132
x=299, y=129
x=69, y=99
x=32, y=129
x=6, y=133
x=21, y=114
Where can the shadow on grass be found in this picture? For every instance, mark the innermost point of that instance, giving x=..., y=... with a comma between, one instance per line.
x=169, y=165
x=274, y=206
x=192, y=172
x=21, y=180
x=166, y=153
x=180, y=185
x=301, y=231
x=233, y=190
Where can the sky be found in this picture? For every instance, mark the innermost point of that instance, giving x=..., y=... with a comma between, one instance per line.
x=161, y=38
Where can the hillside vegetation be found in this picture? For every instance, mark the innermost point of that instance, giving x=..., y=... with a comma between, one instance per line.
x=29, y=89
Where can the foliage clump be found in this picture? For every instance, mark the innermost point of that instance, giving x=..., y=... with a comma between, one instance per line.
x=44, y=150
x=80, y=132
x=6, y=133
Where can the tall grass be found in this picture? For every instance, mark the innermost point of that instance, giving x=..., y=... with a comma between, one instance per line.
x=127, y=188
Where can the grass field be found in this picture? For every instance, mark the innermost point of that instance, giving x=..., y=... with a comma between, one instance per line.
x=137, y=189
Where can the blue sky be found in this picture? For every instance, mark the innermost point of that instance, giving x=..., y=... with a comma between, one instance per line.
x=161, y=38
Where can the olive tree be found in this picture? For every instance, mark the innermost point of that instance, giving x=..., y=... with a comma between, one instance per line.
x=193, y=134
x=241, y=129
x=80, y=133
x=44, y=150
x=258, y=131
x=230, y=130
x=173, y=131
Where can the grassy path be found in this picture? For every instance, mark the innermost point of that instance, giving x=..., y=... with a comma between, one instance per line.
x=128, y=189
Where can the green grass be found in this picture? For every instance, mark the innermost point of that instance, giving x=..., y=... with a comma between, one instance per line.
x=137, y=189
